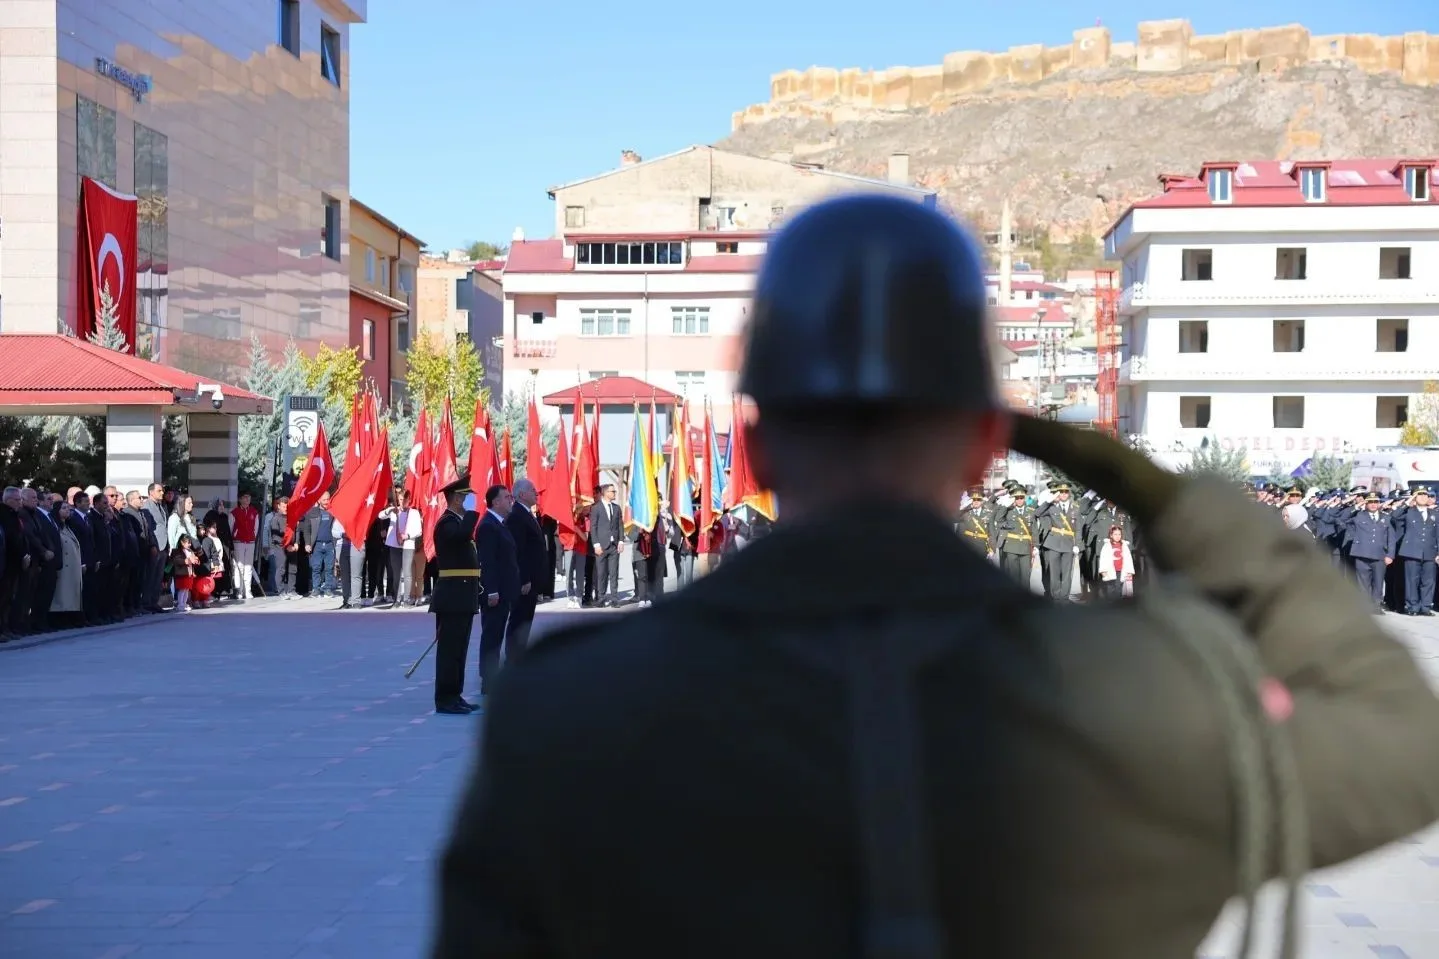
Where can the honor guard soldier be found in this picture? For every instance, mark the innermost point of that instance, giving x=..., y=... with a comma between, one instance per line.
x=1055, y=529
x=925, y=760
x=1014, y=535
x=972, y=525
x=455, y=599
x=1370, y=545
x=1416, y=529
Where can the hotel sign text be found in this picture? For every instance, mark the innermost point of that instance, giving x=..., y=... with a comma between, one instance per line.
x=138, y=84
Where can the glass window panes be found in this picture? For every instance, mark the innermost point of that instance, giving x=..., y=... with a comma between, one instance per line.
x=95, y=141
x=604, y=322
x=1220, y=182
x=630, y=254
x=690, y=320
x=330, y=54
x=369, y=266
x=152, y=180
x=1311, y=182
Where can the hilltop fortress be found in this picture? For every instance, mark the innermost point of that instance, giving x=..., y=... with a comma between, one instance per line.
x=1164, y=46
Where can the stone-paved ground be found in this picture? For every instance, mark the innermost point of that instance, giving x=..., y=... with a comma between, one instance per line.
x=231, y=785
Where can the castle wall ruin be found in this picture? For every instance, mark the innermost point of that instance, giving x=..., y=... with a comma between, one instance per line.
x=1164, y=46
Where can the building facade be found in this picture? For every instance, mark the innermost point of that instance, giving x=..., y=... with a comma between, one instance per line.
x=384, y=262
x=1290, y=309
x=463, y=298
x=229, y=122
x=652, y=269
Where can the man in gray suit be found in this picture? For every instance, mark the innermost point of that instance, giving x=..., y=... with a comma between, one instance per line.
x=154, y=558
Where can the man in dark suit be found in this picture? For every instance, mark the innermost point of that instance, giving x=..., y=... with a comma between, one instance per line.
x=499, y=581
x=532, y=556
x=80, y=525
x=455, y=599
x=607, y=530
x=51, y=561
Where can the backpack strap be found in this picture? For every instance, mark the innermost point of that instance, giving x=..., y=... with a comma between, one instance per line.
x=883, y=661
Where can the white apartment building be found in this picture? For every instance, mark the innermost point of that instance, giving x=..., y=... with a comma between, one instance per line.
x=652, y=267
x=1289, y=308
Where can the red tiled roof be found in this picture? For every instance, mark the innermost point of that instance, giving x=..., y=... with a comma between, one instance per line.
x=54, y=370
x=611, y=389
x=1053, y=313
x=1018, y=346
x=484, y=265
x=1275, y=183
x=538, y=256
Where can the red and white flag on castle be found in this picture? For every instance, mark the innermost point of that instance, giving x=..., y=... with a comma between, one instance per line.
x=106, y=250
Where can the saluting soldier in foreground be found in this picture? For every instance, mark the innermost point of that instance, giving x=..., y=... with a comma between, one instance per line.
x=932, y=762
x=455, y=599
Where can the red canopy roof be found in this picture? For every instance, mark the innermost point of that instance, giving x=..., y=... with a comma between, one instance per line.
x=611, y=389
x=54, y=370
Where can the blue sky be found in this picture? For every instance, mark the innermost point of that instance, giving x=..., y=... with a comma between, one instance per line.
x=464, y=113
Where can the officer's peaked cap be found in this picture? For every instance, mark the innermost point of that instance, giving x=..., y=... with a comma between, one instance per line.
x=870, y=301
x=461, y=485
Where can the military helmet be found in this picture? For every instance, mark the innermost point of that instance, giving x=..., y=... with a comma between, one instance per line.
x=870, y=301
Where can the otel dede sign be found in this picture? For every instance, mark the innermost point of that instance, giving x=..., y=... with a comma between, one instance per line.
x=138, y=84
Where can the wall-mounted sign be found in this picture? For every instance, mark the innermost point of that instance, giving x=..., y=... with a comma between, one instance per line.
x=139, y=84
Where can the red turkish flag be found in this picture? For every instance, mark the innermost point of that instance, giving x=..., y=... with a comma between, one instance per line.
x=314, y=482
x=484, y=451
x=417, y=475
x=106, y=254
x=537, y=471
x=364, y=491
x=507, y=468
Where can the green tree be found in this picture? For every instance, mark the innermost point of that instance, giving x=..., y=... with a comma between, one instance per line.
x=483, y=250
x=337, y=375
x=515, y=415
x=1217, y=461
x=107, y=332
x=1328, y=472
x=436, y=370
x=288, y=376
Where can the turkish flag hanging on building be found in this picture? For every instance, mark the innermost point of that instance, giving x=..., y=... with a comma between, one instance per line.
x=106, y=250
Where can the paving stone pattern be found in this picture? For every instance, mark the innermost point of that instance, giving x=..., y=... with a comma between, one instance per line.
x=229, y=785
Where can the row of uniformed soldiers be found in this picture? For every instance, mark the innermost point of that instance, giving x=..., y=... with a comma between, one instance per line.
x=1063, y=534
x=1389, y=543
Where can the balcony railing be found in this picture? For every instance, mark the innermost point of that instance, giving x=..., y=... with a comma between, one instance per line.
x=1141, y=295
x=535, y=348
x=1279, y=366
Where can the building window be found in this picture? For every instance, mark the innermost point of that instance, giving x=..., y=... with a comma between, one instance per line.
x=95, y=142
x=690, y=320
x=1194, y=336
x=630, y=254
x=1416, y=183
x=1393, y=336
x=1221, y=185
x=152, y=188
x=1394, y=263
x=727, y=247
x=1197, y=265
x=402, y=333
x=1291, y=263
x=367, y=340
x=574, y=216
x=1288, y=336
x=290, y=25
x=1288, y=412
x=1311, y=183
x=691, y=382
x=601, y=374
x=383, y=273
x=330, y=54
x=1390, y=412
x=1194, y=412
x=330, y=241
x=369, y=265
x=604, y=322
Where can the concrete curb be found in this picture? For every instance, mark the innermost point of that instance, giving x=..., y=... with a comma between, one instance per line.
x=82, y=632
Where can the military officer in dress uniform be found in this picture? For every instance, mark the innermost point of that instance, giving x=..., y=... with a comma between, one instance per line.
x=1416, y=527
x=1369, y=541
x=1056, y=530
x=455, y=599
x=972, y=525
x=931, y=763
x=1014, y=534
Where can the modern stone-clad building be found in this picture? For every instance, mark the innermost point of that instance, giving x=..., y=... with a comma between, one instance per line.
x=229, y=122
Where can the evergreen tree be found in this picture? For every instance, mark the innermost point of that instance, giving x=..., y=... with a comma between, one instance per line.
x=107, y=332
x=1329, y=472
x=1214, y=460
x=287, y=377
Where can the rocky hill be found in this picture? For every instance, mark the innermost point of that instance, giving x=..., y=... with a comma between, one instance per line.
x=1071, y=143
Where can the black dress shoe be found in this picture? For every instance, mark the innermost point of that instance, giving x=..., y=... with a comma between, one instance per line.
x=453, y=709
x=344, y=606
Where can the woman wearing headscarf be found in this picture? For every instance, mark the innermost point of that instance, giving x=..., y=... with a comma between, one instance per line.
x=69, y=601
